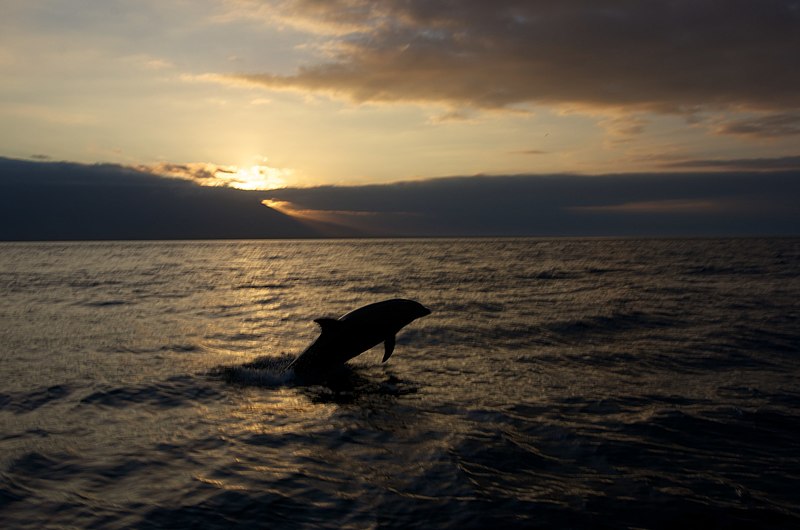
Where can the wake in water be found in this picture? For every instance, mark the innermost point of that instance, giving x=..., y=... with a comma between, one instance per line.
x=345, y=384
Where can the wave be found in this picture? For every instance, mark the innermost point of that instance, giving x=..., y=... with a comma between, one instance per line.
x=491, y=330
x=105, y=303
x=173, y=392
x=263, y=286
x=21, y=402
x=614, y=322
x=718, y=270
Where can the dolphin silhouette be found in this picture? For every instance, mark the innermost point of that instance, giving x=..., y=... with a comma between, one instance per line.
x=354, y=333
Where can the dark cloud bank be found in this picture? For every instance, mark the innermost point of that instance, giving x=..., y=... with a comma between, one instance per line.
x=64, y=201
x=57, y=201
x=569, y=205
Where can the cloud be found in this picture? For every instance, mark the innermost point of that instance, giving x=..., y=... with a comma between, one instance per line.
x=623, y=126
x=769, y=126
x=650, y=207
x=739, y=164
x=665, y=56
x=733, y=203
x=529, y=152
x=203, y=173
x=148, y=62
x=256, y=177
x=333, y=17
x=451, y=116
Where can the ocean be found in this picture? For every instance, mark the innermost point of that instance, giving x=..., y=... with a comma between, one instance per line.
x=558, y=383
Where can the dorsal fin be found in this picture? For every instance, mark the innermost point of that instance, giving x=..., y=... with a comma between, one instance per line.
x=328, y=325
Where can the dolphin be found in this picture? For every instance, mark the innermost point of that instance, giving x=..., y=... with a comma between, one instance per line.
x=351, y=334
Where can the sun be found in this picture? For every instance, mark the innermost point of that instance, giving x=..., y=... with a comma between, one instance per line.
x=257, y=177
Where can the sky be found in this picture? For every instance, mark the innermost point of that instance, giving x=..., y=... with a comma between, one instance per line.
x=298, y=94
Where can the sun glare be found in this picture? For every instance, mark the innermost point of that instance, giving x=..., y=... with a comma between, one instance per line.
x=254, y=177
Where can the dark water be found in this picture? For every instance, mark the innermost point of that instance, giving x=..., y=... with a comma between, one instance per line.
x=558, y=384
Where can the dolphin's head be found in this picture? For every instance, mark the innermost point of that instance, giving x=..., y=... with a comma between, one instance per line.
x=404, y=312
x=417, y=310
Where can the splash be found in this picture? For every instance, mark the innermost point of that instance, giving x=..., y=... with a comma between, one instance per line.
x=268, y=371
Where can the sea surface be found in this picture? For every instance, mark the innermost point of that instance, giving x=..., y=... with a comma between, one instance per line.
x=557, y=384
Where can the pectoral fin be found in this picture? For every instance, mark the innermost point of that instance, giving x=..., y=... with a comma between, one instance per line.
x=388, y=345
